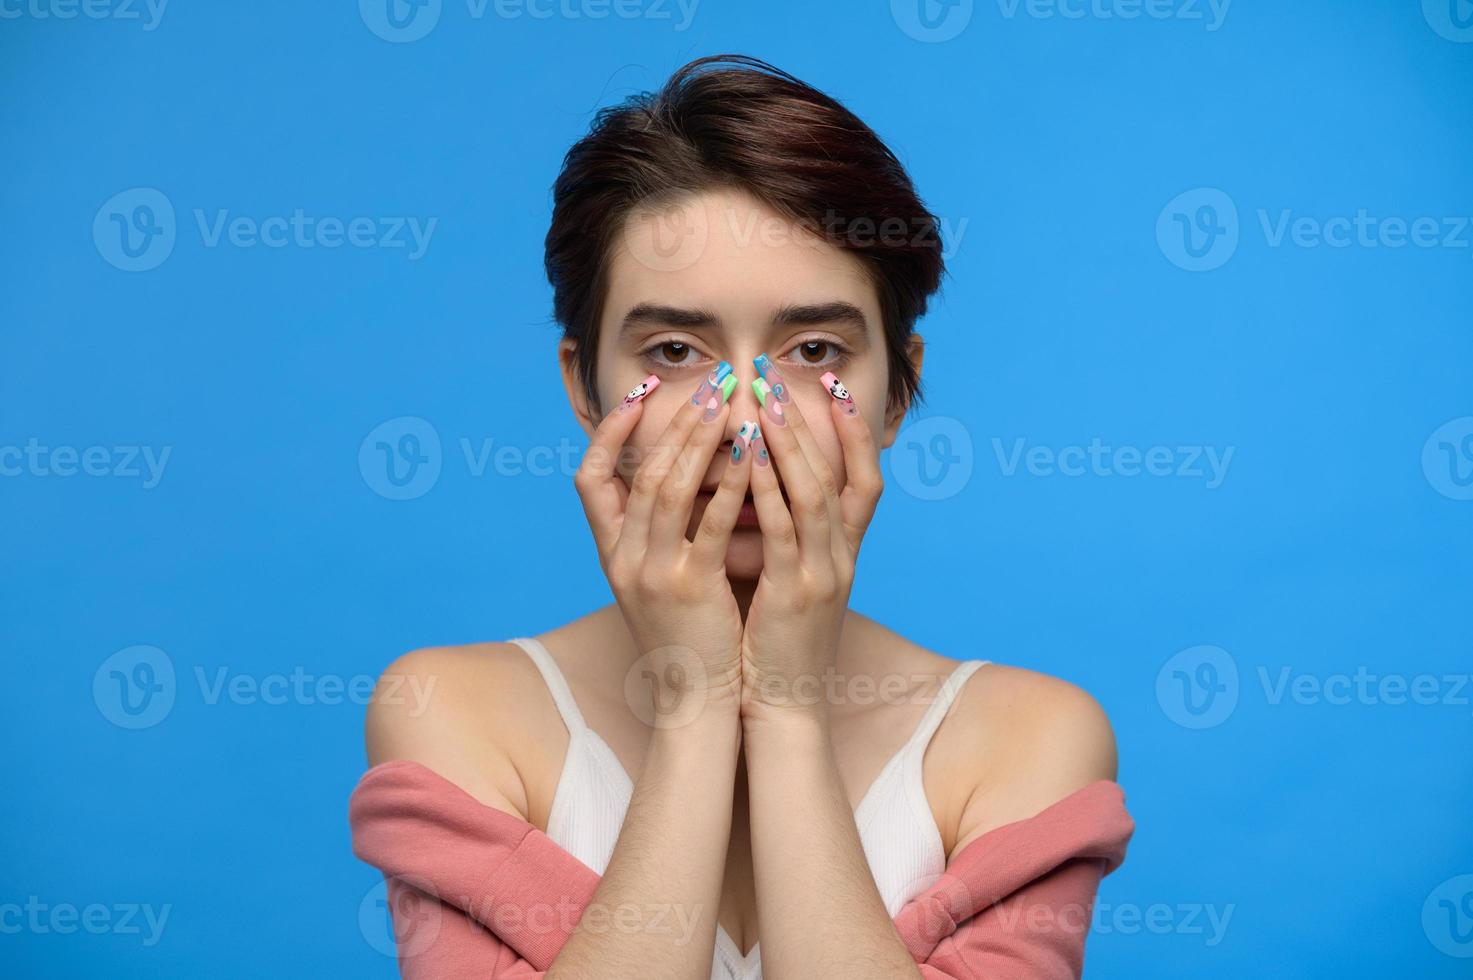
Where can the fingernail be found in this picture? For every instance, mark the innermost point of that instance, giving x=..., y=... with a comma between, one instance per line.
x=840, y=394
x=759, y=445
x=772, y=406
x=713, y=409
x=639, y=391
x=770, y=374
x=711, y=385
x=727, y=387
x=743, y=440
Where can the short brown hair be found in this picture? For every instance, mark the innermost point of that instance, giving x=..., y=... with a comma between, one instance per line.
x=735, y=121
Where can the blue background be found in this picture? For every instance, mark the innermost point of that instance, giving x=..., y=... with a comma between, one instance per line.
x=1323, y=830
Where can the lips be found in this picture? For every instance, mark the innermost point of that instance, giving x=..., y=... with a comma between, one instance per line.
x=746, y=517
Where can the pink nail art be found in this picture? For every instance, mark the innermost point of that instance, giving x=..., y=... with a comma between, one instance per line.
x=840, y=394
x=713, y=408
x=638, y=392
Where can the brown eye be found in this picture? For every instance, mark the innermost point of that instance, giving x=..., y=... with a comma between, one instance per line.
x=814, y=351
x=675, y=352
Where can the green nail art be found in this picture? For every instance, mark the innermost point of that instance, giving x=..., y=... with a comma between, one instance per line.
x=760, y=389
x=727, y=387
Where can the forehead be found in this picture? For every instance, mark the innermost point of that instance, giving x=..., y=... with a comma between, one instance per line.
x=725, y=251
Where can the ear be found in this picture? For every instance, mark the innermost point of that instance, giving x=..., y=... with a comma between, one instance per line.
x=916, y=351
x=587, y=414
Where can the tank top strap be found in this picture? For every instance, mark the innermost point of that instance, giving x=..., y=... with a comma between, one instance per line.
x=915, y=748
x=557, y=685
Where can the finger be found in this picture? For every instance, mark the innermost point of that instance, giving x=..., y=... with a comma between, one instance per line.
x=714, y=533
x=655, y=466
x=863, y=482
x=807, y=503
x=597, y=481
x=779, y=536
x=677, y=496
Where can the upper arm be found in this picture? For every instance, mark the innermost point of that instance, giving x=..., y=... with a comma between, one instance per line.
x=1036, y=739
x=441, y=707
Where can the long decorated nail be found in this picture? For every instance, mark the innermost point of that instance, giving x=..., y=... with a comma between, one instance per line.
x=714, y=403
x=743, y=440
x=711, y=385
x=840, y=394
x=770, y=374
x=759, y=447
x=638, y=392
x=768, y=399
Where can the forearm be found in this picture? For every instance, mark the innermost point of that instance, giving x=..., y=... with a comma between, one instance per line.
x=654, y=913
x=819, y=911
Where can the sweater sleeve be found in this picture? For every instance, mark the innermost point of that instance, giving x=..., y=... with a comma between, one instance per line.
x=1017, y=903
x=1037, y=933
x=436, y=941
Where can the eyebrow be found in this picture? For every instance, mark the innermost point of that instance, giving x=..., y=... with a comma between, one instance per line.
x=808, y=315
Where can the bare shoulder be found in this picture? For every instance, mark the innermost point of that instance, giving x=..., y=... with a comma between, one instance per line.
x=1030, y=739
x=466, y=713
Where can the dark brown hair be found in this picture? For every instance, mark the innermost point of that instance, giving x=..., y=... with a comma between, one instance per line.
x=734, y=121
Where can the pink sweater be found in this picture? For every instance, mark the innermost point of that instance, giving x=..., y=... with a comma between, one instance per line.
x=477, y=892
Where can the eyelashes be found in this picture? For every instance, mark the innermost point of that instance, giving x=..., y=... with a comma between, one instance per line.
x=675, y=353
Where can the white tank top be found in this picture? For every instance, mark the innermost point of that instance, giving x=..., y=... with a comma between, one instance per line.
x=901, y=840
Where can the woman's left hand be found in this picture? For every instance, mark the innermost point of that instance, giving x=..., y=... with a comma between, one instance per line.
x=809, y=546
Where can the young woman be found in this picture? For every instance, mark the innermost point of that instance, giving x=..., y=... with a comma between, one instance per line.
x=729, y=742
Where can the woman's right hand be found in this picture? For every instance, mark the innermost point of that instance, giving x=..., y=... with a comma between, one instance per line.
x=673, y=593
